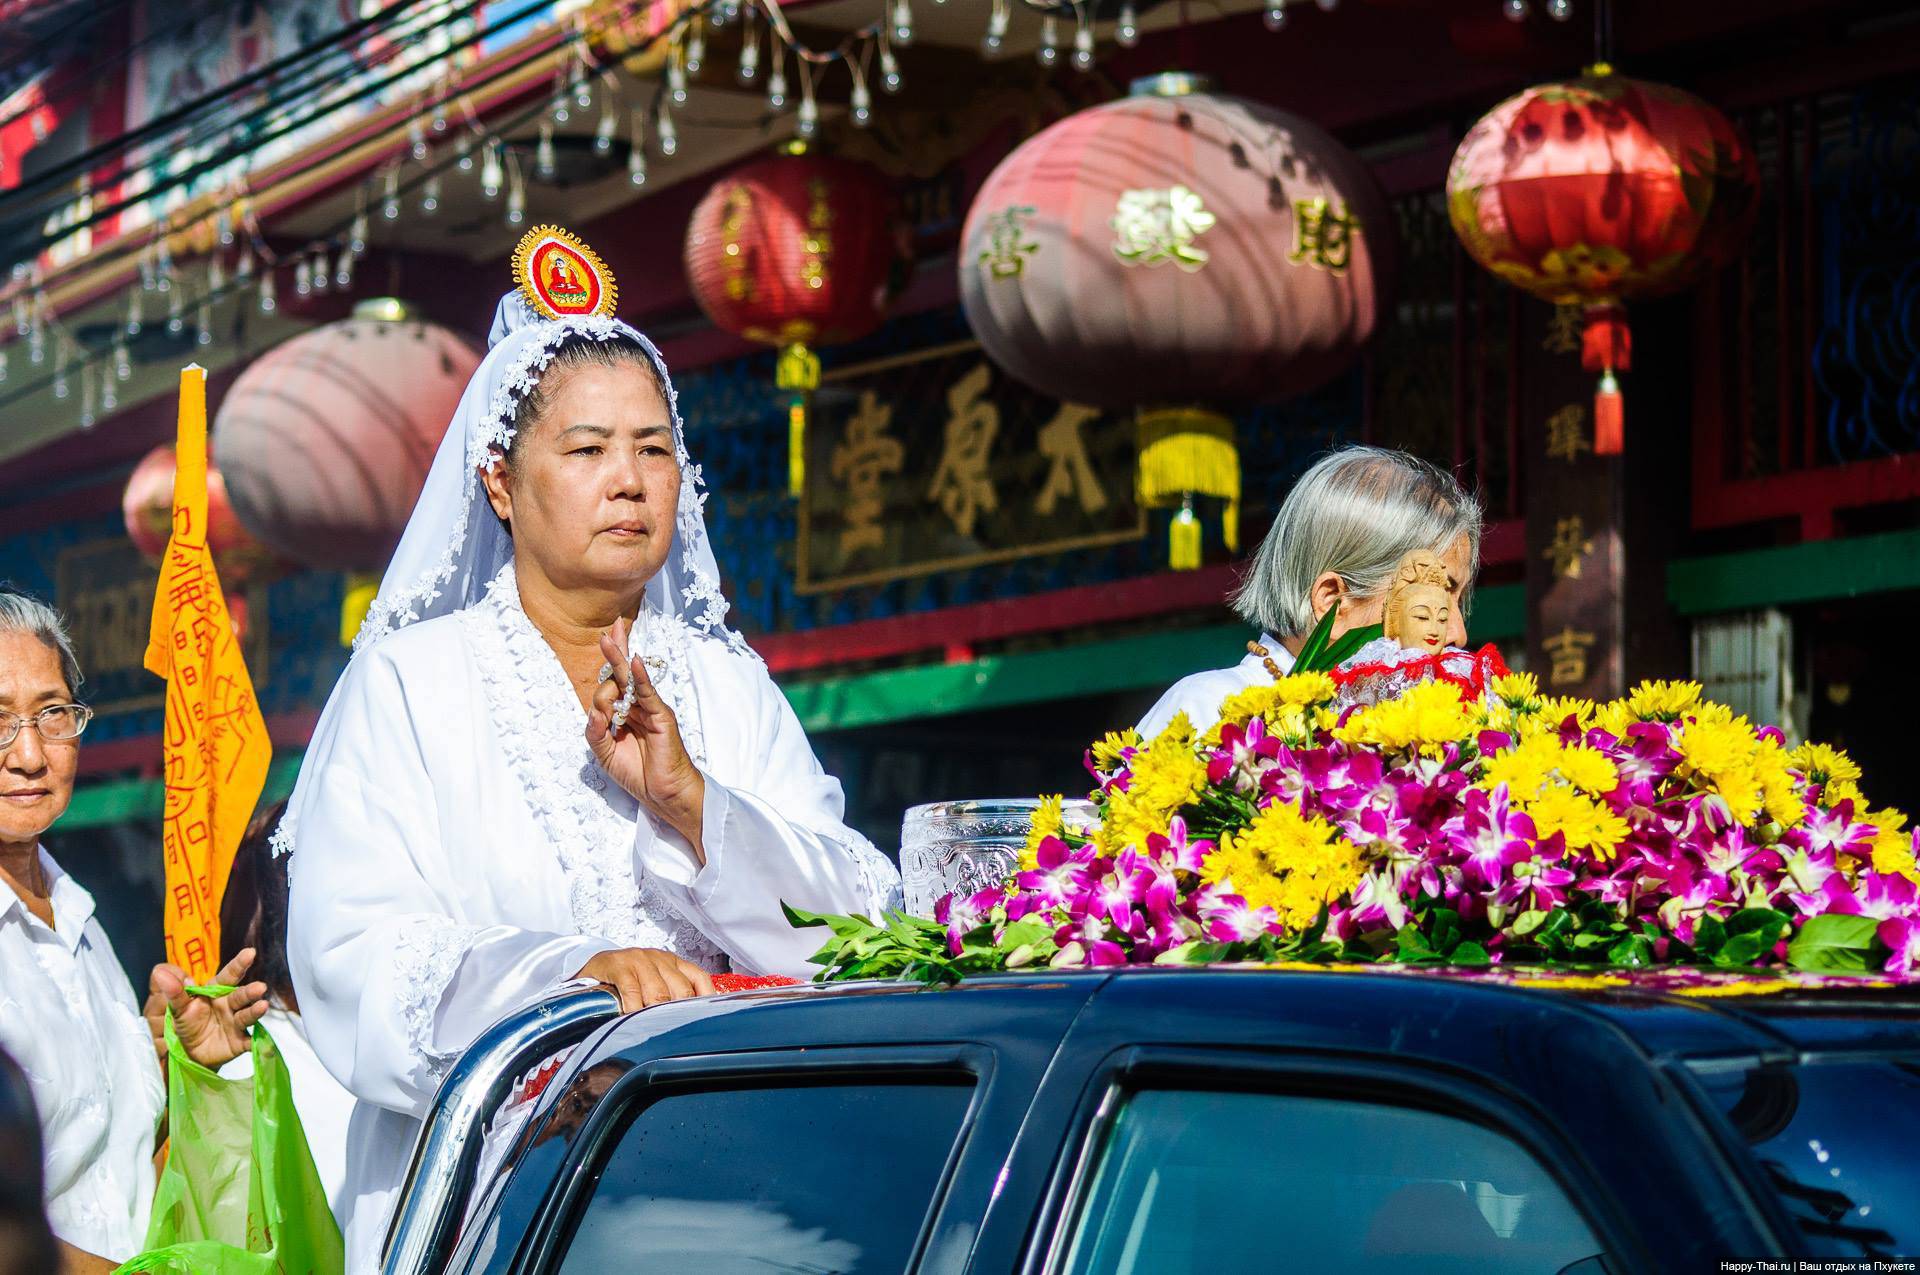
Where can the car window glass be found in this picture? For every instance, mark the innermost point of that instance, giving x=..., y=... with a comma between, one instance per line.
x=1192, y=1182
x=1835, y=1140
x=822, y=1178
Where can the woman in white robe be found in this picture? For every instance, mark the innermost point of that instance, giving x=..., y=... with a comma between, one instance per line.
x=482, y=817
x=1339, y=536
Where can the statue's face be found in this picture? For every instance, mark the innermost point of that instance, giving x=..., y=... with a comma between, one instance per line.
x=1426, y=610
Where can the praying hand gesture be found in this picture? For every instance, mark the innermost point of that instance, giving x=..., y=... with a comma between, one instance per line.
x=636, y=739
x=212, y=1029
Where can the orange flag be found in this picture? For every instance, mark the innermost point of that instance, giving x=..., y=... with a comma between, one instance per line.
x=216, y=741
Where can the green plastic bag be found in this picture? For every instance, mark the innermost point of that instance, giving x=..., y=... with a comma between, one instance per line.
x=239, y=1194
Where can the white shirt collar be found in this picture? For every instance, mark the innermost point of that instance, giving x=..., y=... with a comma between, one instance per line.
x=72, y=904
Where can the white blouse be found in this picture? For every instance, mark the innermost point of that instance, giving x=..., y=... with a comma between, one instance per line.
x=457, y=853
x=69, y=1017
x=1200, y=695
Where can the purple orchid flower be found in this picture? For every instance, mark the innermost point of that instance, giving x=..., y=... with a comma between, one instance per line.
x=1646, y=755
x=963, y=916
x=1880, y=895
x=1229, y=919
x=1175, y=851
x=1833, y=831
x=1489, y=835
x=1061, y=875
x=1245, y=754
x=1901, y=934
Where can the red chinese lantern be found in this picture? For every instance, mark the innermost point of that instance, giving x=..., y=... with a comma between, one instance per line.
x=1177, y=247
x=796, y=250
x=1599, y=191
x=326, y=439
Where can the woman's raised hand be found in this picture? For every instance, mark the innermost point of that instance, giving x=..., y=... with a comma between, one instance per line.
x=212, y=1029
x=642, y=750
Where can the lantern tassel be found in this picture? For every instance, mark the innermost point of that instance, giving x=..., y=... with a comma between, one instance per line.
x=1183, y=540
x=1609, y=417
x=1186, y=452
x=798, y=370
x=1606, y=347
x=797, y=446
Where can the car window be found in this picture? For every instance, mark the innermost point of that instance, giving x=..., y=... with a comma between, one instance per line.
x=1190, y=1182
x=802, y=1178
x=1835, y=1140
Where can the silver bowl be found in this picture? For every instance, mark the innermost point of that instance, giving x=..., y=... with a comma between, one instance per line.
x=960, y=847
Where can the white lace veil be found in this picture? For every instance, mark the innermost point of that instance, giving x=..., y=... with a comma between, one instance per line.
x=454, y=546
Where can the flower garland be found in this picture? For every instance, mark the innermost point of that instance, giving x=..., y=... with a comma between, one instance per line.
x=1439, y=828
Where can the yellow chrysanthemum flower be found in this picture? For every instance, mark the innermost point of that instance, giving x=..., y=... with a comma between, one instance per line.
x=1779, y=793
x=1427, y=717
x=1166, y=775
x=1614, y=717
x=1713, y=748
x=1588, y=769
x=1842, y=790
x=1587, y=824
x=1822, y=764
x=1662, y=701
x=1541, y=759
x=1290, y=707
x=1047, y=822
x=1555, y=709
x=1518, y=691
x=1893, y=845
x=1525, y=768
x=1107, y=749
x=1290, y=862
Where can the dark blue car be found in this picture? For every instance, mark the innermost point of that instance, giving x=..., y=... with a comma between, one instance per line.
x=1161, y=1122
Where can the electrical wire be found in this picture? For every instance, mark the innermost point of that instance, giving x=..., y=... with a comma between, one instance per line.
x=254, y=142
x=327, y=239
x=95, y=69
x=184, y=115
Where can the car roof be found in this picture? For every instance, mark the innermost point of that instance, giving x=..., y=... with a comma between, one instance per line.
x=1666, y=1012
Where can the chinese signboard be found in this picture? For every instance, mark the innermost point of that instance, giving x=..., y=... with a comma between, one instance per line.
x=105, y=590
x=938, y=461
x=1575, y=558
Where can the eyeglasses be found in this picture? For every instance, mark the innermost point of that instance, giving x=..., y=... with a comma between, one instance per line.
x=57, y=724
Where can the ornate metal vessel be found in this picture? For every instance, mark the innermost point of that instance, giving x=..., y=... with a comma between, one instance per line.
x=949, y=847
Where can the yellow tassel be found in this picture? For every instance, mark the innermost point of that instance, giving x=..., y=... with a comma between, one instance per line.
x=1183, y=541
x=1186, y=452
x=361, y=590
x=797, y=446
x=797, y=368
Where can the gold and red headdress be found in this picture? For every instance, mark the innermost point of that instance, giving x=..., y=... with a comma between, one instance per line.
x=562, y=278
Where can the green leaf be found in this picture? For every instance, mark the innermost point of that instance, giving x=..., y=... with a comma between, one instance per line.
x=1527, y=922
x=1833, y=942
x=1470, y=953
x=1315, y=643
x=1709, y=935
x=1347, y=643
x=1741, y=949
x=1631, y=951
x=1769, y=923
x=1555, y=930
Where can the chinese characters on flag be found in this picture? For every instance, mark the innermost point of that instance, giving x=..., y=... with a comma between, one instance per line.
x=215, y=741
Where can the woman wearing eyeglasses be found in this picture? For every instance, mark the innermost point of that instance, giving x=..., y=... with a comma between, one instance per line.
x=67, y=1012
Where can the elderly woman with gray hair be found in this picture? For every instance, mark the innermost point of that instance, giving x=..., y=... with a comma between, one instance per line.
x=68, y=1015
x=1335, y=544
